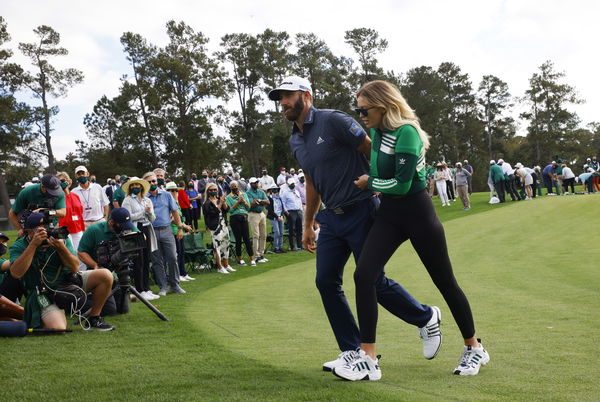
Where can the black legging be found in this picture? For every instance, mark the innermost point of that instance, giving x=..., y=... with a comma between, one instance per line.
x=567, y=183
x=188, y=214
x=397, y=220
x=241, y=232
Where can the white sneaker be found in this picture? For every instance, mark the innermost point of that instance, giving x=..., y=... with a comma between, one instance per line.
x=431, y=334
x=242, y=263
x=162, y=292
x=230, y=269
x=252, y=263
x=261, y=259
x=222, y=271
x=343, y=358
x=189, y=278
x=182, y=279
x=363, y=368
x=472, y=359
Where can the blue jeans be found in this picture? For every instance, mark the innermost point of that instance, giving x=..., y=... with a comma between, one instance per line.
x=277, y=233
x=341, y=235
x=164, y=259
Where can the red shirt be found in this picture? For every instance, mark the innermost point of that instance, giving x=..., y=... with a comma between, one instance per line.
x=73, y=220
x=184, y=200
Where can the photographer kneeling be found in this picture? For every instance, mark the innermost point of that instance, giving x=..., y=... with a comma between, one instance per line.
x=45, y=264
x=96, y=237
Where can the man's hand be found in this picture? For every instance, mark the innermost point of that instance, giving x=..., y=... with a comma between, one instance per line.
x=179, y=235
x=38, y=238
x=309, y=239
x=56, y=243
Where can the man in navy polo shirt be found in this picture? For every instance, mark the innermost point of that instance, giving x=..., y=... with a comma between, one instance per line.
x=332, y=150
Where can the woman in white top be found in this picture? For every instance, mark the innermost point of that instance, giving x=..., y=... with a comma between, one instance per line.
x=142, y=215
x=526, y=179
x=440, y=182
x=568, y=179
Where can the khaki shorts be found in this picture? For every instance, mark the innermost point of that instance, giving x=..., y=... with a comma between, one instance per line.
x=53, y=307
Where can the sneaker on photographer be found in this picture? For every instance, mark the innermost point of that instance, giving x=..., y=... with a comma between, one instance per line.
x=98, y=324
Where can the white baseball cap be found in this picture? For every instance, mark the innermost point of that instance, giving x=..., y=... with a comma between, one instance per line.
x=253, y=180
x=291, y=83
x=291, y=181
x=81, y=168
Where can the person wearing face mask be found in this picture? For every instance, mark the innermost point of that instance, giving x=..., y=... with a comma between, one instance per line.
x=293, y=212
x=195, y=202
x=47, y=194
x=265, y=182
x=142, y=215
x=217, y=227
x=301, y=187
x=283, y=176
x=40, y=262
x=118, y=193
x=275, y=212
x=223, y=186
x=237, y=204
x=93, y=199
x=257, y=219
x=229, y=178
x=164, y=259
x=73, y=219
x=160, y=178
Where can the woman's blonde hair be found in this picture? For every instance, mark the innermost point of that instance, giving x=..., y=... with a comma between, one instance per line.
x=65, y=176
x=397, y=111
x=209, y=186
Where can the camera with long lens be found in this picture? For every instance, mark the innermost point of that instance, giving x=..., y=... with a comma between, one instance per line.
x=46, y=208
x=119, y=253
x=118, y=256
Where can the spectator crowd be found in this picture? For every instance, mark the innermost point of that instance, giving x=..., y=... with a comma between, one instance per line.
x=56, y=268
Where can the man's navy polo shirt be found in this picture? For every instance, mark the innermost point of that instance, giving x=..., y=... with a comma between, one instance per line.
x=326, y=150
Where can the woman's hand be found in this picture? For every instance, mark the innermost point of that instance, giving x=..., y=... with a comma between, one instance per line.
x=362, y=182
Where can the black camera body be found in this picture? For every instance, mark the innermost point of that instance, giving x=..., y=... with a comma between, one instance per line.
x=117, y=253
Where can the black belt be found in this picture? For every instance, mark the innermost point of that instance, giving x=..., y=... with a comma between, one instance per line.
x=161, y=227
x=345, y=209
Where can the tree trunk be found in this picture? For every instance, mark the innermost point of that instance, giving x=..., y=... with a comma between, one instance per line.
x=4, y=198
x=47, y=137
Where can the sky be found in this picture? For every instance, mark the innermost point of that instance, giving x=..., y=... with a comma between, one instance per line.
x=509, y=39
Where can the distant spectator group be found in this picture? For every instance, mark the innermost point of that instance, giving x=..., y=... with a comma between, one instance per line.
x=518, y=182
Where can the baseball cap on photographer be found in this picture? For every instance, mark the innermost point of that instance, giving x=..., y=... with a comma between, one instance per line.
x=122, y=217
x=52, y=185
x=253, y=180
x=34, y=220
x=291, y=83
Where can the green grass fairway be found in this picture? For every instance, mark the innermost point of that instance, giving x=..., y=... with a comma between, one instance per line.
x=530, y=270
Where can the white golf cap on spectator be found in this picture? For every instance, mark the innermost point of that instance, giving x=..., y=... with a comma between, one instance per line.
x=253, y=180
x=301, y=175
x=492, y=162
x=291, y=181
x=500, y=160
x=291, y=83
x=81, y=168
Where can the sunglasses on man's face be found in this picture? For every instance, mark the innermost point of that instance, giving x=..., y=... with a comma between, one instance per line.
x=151, y=181
x=363, y=111
x=172, y=191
